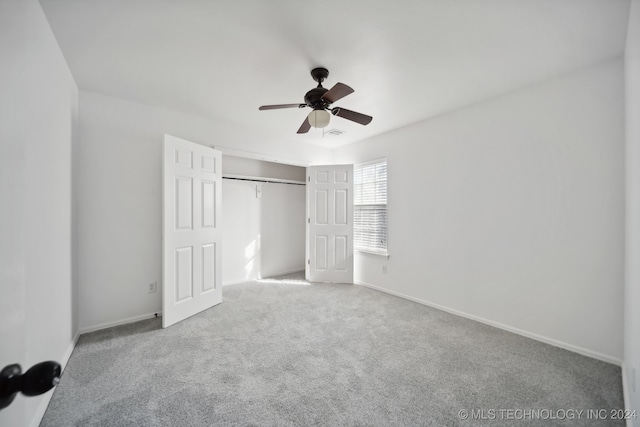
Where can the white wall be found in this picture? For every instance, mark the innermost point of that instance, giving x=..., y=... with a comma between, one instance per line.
x=512, y=210
x=283, y=228
x=249, y=167
x=38, y=108
x=119, y=199
x=265, y=236
x=632, y=288
x=241, y=213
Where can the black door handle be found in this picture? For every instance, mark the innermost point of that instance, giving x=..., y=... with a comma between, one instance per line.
x=39, y=379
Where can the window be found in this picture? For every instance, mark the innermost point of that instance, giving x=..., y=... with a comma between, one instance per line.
x=370, y=207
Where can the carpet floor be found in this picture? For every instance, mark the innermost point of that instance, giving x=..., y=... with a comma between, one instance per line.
x=287, y=352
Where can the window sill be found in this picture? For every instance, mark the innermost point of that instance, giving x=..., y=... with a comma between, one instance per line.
x=364, y=251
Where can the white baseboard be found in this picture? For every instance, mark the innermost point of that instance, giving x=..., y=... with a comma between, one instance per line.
x=280, y=273
x=46, y=398
x=67, y=354
x=547, y=340
x=237, y=282
x=120, y=322
x=625, y=394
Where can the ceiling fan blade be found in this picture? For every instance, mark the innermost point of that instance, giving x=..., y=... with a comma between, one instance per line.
x=339, y=91
x=363, y=119
x=276, y=107
x=304, y=128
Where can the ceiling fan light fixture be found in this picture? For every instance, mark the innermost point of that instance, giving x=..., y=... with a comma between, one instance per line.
x=319, y=118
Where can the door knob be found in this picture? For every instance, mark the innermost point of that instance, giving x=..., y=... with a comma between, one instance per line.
x=39, y=379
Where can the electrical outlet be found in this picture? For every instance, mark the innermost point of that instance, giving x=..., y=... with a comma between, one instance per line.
x=153, y=287
x=384, y=269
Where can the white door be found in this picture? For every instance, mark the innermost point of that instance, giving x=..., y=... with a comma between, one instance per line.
x=192, y=200
x=330, y=224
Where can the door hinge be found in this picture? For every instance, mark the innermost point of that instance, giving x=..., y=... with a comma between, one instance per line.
x=309, y=261
x=309, y=220
x=309, y=178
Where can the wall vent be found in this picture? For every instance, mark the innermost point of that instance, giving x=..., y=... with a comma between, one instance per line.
x=334, y=132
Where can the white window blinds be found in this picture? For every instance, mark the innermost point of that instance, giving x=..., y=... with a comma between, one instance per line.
x=370, y=207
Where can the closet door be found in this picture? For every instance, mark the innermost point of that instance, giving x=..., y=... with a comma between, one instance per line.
x=330, y=224
x=192, y=204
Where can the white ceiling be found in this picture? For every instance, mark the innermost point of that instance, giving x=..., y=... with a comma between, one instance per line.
x=407, y=60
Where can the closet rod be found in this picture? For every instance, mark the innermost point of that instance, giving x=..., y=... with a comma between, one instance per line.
x=263, y=180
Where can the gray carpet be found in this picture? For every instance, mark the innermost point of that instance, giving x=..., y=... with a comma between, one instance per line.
x=285, y=353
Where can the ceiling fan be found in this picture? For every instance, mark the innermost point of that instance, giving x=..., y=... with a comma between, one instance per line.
x=320, y=100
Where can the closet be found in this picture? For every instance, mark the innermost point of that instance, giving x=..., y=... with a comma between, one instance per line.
x=263, y=219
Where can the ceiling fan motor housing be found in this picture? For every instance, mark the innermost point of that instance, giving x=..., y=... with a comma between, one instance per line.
x=313, y=98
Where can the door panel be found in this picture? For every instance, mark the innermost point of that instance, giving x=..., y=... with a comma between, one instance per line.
x=341, y=253
x=321, y=252
x=191, y=229
x=184, y=274
x=184, y=203
x=341, y=197
x=330, y=224
x=322, y=207
x=208, y=267
x=208, y=204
